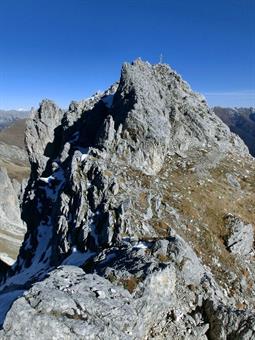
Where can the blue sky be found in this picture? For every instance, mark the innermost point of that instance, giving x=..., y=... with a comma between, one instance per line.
x=68, y=49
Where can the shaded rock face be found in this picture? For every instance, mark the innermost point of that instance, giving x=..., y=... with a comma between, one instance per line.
x=132, y=185
x=3, y=268
x=15, y=169
x=12, y=228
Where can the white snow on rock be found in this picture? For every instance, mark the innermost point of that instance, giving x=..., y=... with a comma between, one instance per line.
x=140, y=245
x=77, y=258
x=84, y=156
x=47, y=179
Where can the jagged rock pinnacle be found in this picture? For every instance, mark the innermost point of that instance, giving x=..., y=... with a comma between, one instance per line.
x=130, y=185
x=160, y=114
x=149, y=115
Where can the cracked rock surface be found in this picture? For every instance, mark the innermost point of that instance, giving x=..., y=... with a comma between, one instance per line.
x=128, y=194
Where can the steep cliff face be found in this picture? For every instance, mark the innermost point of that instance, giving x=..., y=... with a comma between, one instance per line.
x=150, y=193
x=161, y=115
x=12, y=228
x=14, y=169
x=41, y=131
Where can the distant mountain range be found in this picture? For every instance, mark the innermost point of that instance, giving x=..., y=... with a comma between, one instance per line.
x=240, y=121
x=9, y=116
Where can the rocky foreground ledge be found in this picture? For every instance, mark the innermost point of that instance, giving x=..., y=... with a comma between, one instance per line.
x=140, y=214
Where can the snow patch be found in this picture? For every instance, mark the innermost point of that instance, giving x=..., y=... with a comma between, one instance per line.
x=40, y=261
x=46, y=179
x=53, y=190
x=84, y=156
x=140, y=245
x=92, y=227
x=77, y=258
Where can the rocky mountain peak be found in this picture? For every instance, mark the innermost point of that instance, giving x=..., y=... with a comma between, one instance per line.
x=159, y=114
x=151, y=112
x=75, y=193
x=133, y=185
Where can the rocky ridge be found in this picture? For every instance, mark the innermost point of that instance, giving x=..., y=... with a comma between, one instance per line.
x=134, y=186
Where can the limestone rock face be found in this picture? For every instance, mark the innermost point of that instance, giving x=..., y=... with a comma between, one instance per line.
x=75, y=305
x=132, y=186
x=40, y=134
x=160, y=114
x=241, y=236
x=15, y=169
x=12, y=228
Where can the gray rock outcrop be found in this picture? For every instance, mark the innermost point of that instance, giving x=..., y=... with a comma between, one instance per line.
x=128, y=185
x=40, y=134
x=240, y=239
x=15, y=169
x=75, y=305
x=12, y=228
x=160, y=114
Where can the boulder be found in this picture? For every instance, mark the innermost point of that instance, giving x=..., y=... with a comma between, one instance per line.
x=240, y=239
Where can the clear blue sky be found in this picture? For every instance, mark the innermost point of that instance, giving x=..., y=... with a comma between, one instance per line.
x=68, y=49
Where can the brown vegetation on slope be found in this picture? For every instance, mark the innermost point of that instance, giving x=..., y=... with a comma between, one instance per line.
x=14, y=134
